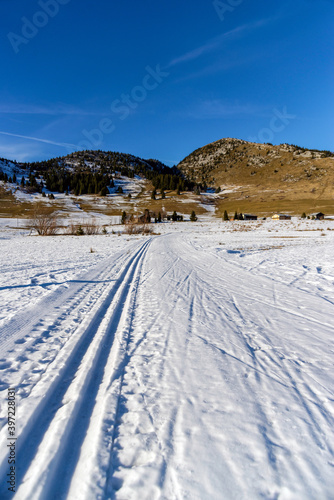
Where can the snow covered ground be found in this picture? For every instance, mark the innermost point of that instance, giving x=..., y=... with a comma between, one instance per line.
x=195, y=364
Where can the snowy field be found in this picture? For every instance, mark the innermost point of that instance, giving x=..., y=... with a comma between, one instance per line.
x=195, y=364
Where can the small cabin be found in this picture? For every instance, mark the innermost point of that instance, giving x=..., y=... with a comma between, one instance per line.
x=281, y=217
x=249, y=217
x=318, y=216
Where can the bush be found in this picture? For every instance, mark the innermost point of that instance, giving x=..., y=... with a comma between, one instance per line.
x=133, y=228
x=92, y=227
x=75, y=230
x=44, y=221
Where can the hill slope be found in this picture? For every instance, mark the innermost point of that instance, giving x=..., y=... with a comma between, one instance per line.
x=263, y=177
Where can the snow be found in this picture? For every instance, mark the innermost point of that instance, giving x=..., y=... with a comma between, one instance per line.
x=194, y=364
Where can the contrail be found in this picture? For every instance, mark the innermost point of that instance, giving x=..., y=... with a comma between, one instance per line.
x=62, y=144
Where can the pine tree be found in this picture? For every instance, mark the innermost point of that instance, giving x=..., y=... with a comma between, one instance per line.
x=235, y=215
x=123, y=217
x=225, y=215
x=174, y=216
x=193, y=217
x=154, y=193
x=303, y=215
x=159, y=217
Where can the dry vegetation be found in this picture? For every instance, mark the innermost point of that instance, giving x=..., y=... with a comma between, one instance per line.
x=262, y=178
x=132, y=228
x=44, y=220
x=11, y=207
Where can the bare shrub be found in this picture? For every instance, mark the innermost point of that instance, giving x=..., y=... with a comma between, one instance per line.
x=146, y=229
x=133, y=228
x=75, y=229
x=44, y=220
x=92, y=227
x=71, y=229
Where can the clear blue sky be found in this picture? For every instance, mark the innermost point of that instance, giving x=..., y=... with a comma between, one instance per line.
x=159, y=79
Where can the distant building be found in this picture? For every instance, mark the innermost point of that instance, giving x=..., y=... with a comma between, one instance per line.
x=249, y=217
x=281, y=217
x=318, y=216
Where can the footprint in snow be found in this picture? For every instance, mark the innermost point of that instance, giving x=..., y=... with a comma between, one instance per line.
x=20, y=341
x=5, y=365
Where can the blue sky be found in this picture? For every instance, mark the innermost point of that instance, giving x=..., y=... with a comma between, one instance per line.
x=159, y=79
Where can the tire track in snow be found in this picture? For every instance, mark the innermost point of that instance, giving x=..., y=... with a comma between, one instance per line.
x=57, y=439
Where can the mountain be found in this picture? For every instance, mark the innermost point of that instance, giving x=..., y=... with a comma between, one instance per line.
x=229, y=174
x=263, y=177
x=93, y=181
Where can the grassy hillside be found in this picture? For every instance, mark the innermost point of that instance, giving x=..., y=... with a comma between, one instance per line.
x=264, y=178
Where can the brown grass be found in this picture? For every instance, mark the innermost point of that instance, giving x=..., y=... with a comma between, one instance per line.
x=265, y=208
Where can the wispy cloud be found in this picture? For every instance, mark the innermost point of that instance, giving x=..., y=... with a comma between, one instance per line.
x=216, y=42
x=217, y=108
x=32, y=109
x=62, y=144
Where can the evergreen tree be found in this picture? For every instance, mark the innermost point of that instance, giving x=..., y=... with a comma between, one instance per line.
x=154, y=193
x=303, y=215
x=159, y=217
x=235, y=215
x=174, y=216
x=193, y=217
x=225, y=215
x=123, y=217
